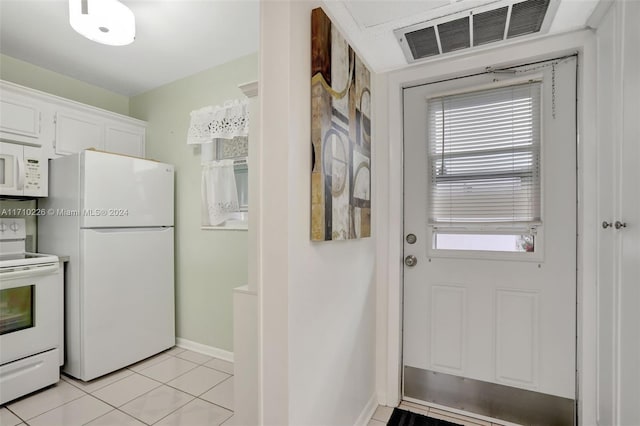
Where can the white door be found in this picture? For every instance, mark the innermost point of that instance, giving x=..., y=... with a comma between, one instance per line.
x=127, y=292
x=489, y=300
x=629, y=222
x=619, y=216
x=121, y=191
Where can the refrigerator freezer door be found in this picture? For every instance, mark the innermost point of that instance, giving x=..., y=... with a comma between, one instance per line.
x=120, y=191
x=127, y=307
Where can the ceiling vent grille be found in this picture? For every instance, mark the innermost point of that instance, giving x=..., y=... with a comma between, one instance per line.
x=489, y=24
x=454, y=35
x=423, y=42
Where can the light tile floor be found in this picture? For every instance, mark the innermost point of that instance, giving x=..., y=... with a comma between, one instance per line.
x=382, y=414
x=175, y=388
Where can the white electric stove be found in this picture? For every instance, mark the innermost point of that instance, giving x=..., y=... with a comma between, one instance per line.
x=31, y=315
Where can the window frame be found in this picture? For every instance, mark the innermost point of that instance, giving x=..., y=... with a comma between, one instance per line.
x=241, y=163
x=535, y=228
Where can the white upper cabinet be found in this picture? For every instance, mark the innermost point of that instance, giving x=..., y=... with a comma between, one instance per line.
x=128, y=140
x=62, y=126
x=19, y=119
x=75, y=132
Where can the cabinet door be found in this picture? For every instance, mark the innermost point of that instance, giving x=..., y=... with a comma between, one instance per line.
x=125, y=140
x=19, y=119
x=76, y=132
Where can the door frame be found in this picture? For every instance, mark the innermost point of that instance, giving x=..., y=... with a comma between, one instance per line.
x=389, y=186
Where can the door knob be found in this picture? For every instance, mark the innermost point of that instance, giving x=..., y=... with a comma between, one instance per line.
x=619, y=224
x=410, y=260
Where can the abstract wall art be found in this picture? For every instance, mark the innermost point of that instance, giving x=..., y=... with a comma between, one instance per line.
x=340, y=136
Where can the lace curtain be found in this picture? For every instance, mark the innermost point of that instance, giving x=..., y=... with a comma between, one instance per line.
x=229, y=124
x=219, y=122
x=219, y=194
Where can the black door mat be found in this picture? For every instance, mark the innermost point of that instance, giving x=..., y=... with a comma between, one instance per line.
x=405, y=418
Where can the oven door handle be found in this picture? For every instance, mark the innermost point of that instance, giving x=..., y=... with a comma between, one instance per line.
x=39, y=270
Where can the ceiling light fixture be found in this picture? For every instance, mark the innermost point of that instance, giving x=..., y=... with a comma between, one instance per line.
x=103, y=21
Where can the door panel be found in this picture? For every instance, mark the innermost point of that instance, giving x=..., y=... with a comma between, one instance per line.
x=629, y=368
x=124, y=141
x=75, y=132
x=495, y=317
x=448, y=330
x=19, y=117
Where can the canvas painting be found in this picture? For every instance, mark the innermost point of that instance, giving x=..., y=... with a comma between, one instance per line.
x=340, y=136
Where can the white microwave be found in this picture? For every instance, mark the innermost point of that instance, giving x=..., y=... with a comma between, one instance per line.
x=23, y=171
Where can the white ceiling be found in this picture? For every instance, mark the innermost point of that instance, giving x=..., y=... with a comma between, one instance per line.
x=174, y=39
x=177, y=38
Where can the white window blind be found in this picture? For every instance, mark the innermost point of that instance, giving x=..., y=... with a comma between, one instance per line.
x=484, y=150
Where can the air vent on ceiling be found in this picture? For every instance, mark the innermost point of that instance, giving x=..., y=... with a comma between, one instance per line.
x=488, y=24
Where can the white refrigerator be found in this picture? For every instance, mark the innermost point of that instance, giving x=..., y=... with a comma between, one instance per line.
x=113, y=216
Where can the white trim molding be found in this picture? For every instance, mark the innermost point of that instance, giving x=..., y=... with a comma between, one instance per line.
x=204, y=349
x=367, y=411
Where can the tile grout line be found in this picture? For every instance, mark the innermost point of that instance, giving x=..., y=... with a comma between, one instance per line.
x=197, y=396
x=194, y=397
x=72, y=383
x=97, y=389
x=228, y=378
x=15, y=414
x=197, y=365
x=188, y=402
x=182, y=406
x=116, y=409
x=47, y=388
x=213, y=403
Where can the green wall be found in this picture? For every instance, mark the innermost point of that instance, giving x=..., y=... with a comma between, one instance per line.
x=26, y=74
x=209, y=263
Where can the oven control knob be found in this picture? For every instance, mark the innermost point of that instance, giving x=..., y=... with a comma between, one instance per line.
x=14, y=227
x=3, y=227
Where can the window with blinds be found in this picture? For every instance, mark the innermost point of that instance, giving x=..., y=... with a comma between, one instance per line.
x=484, y=158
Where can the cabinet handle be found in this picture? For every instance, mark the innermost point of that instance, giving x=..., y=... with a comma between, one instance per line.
x=619, y=224
x=606, y=224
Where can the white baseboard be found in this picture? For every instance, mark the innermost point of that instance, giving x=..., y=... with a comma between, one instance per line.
x=204, y=349
x=367, y=412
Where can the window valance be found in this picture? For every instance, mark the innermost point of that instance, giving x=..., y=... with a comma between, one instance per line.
x=219, y=122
